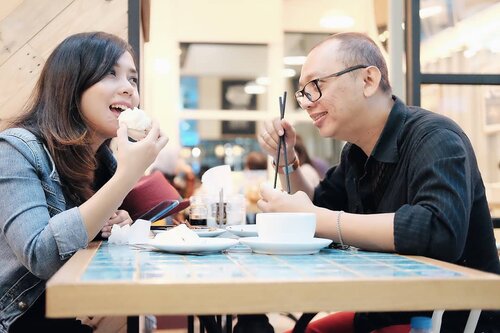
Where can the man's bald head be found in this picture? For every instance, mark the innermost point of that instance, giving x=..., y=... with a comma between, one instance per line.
x=358, y=49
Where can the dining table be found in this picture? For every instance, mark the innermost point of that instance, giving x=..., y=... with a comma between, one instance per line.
x=125, y=280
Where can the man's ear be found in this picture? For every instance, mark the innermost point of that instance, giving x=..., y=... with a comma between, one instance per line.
x=371, y=80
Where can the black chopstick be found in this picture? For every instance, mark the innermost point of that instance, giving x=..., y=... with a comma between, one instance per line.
x=282, y=141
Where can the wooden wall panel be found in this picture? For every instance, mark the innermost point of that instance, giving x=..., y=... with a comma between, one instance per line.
x=17, y=78
x=81, y=16
x=24, y=22
x=30, y=32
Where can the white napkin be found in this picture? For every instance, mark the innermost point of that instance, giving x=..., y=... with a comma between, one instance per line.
x=216, y=178
x=137, y=233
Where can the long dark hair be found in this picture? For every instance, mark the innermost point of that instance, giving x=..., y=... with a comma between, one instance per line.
x=53, y=112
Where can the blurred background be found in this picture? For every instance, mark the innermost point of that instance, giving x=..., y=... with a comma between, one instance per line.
x=212, y=71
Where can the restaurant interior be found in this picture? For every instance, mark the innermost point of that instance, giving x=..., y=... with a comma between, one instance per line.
x=211, y=71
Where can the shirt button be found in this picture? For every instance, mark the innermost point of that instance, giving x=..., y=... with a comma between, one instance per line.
x=22, y=306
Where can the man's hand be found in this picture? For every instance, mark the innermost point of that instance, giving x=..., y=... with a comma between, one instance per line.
x=269, y=138
x=274, y=200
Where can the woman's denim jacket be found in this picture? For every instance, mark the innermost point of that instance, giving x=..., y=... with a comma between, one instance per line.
x=40, y=229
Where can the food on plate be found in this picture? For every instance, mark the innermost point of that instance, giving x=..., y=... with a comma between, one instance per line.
x=186, y=222
x=180, y=234
x=137, y=121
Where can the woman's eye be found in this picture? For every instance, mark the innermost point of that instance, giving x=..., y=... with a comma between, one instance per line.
x=112, y=72
x=134, y=80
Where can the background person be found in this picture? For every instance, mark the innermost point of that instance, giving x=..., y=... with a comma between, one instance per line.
x=306, y=164
x=177, y=171
x=256, y=160
x=61, y=186
x=408, y=179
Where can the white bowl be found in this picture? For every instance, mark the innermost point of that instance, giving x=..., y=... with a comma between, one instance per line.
x=286, y=227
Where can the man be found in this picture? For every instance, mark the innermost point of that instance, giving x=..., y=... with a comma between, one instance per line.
x=408, y=179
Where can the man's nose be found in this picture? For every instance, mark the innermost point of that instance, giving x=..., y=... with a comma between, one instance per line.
x=305, y=103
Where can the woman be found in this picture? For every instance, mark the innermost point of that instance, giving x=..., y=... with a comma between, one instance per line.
x=60, y=184
x=306, y=164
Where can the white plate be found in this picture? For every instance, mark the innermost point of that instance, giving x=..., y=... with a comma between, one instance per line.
x=205, y=245
x=244, y=230
x=259, y=246
x=203, y=232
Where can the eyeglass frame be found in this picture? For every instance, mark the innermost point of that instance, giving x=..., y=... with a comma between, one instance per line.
x=315, y=81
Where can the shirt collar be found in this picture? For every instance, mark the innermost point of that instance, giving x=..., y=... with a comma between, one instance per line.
x=386, y=149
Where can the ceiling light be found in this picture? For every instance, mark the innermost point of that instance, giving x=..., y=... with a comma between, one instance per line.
x=430, y=11
x=294, y=60
x=196, y=152
x=219, y=151
x=494, y=46
x=469, y=53
x=384, y=36
x=289, y=72
x=336, y=21
x=262, y=80
x=252, y=88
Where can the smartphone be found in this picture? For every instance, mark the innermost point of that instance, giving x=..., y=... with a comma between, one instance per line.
x=159, y=211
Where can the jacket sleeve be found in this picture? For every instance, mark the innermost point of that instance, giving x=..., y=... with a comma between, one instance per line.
x=40, y=242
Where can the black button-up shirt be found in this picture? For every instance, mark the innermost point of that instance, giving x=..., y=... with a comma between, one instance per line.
x=424, y=169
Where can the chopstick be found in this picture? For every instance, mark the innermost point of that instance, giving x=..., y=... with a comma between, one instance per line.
x=282, y=101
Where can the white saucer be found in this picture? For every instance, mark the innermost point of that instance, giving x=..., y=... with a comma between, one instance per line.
x=243, y=230
x=310, y=247
x=205, y=245
x=202, y=232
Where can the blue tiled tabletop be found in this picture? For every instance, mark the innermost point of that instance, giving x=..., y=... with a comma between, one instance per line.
x=126, y=263
x=107, y=279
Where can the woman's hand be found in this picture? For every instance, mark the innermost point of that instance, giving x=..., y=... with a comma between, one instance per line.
x=269, y=138
x=134, y=158
x=120, y=217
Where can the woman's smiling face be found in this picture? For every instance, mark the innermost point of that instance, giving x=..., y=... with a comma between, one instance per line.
x=103, y=102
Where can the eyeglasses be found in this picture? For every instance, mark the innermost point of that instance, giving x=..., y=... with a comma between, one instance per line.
x=311, y=89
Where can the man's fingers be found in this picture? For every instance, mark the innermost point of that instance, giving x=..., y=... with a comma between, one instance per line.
x=263, y=205
x=267, y=192
x=278, y=127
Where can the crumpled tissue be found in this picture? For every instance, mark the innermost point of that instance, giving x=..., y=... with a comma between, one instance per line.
x=137, y=233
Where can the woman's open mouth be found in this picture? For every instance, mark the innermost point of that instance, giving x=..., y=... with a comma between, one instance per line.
x=117, y=109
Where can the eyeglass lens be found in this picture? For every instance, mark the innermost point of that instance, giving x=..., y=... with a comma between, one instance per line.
x=310, y=91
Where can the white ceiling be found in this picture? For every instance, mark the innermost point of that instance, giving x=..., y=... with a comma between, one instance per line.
x=226, y=60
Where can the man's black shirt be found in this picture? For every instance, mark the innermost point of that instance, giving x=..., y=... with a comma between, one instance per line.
x=424, y=169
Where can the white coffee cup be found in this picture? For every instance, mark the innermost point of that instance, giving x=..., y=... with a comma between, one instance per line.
x=286, y=227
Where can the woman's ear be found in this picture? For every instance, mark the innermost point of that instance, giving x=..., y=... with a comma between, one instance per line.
x=371, y=80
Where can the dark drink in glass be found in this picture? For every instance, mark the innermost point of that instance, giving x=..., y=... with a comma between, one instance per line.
x=198, y=221
x=198, y=211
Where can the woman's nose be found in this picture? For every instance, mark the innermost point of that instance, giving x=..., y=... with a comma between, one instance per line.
x=126, y=87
